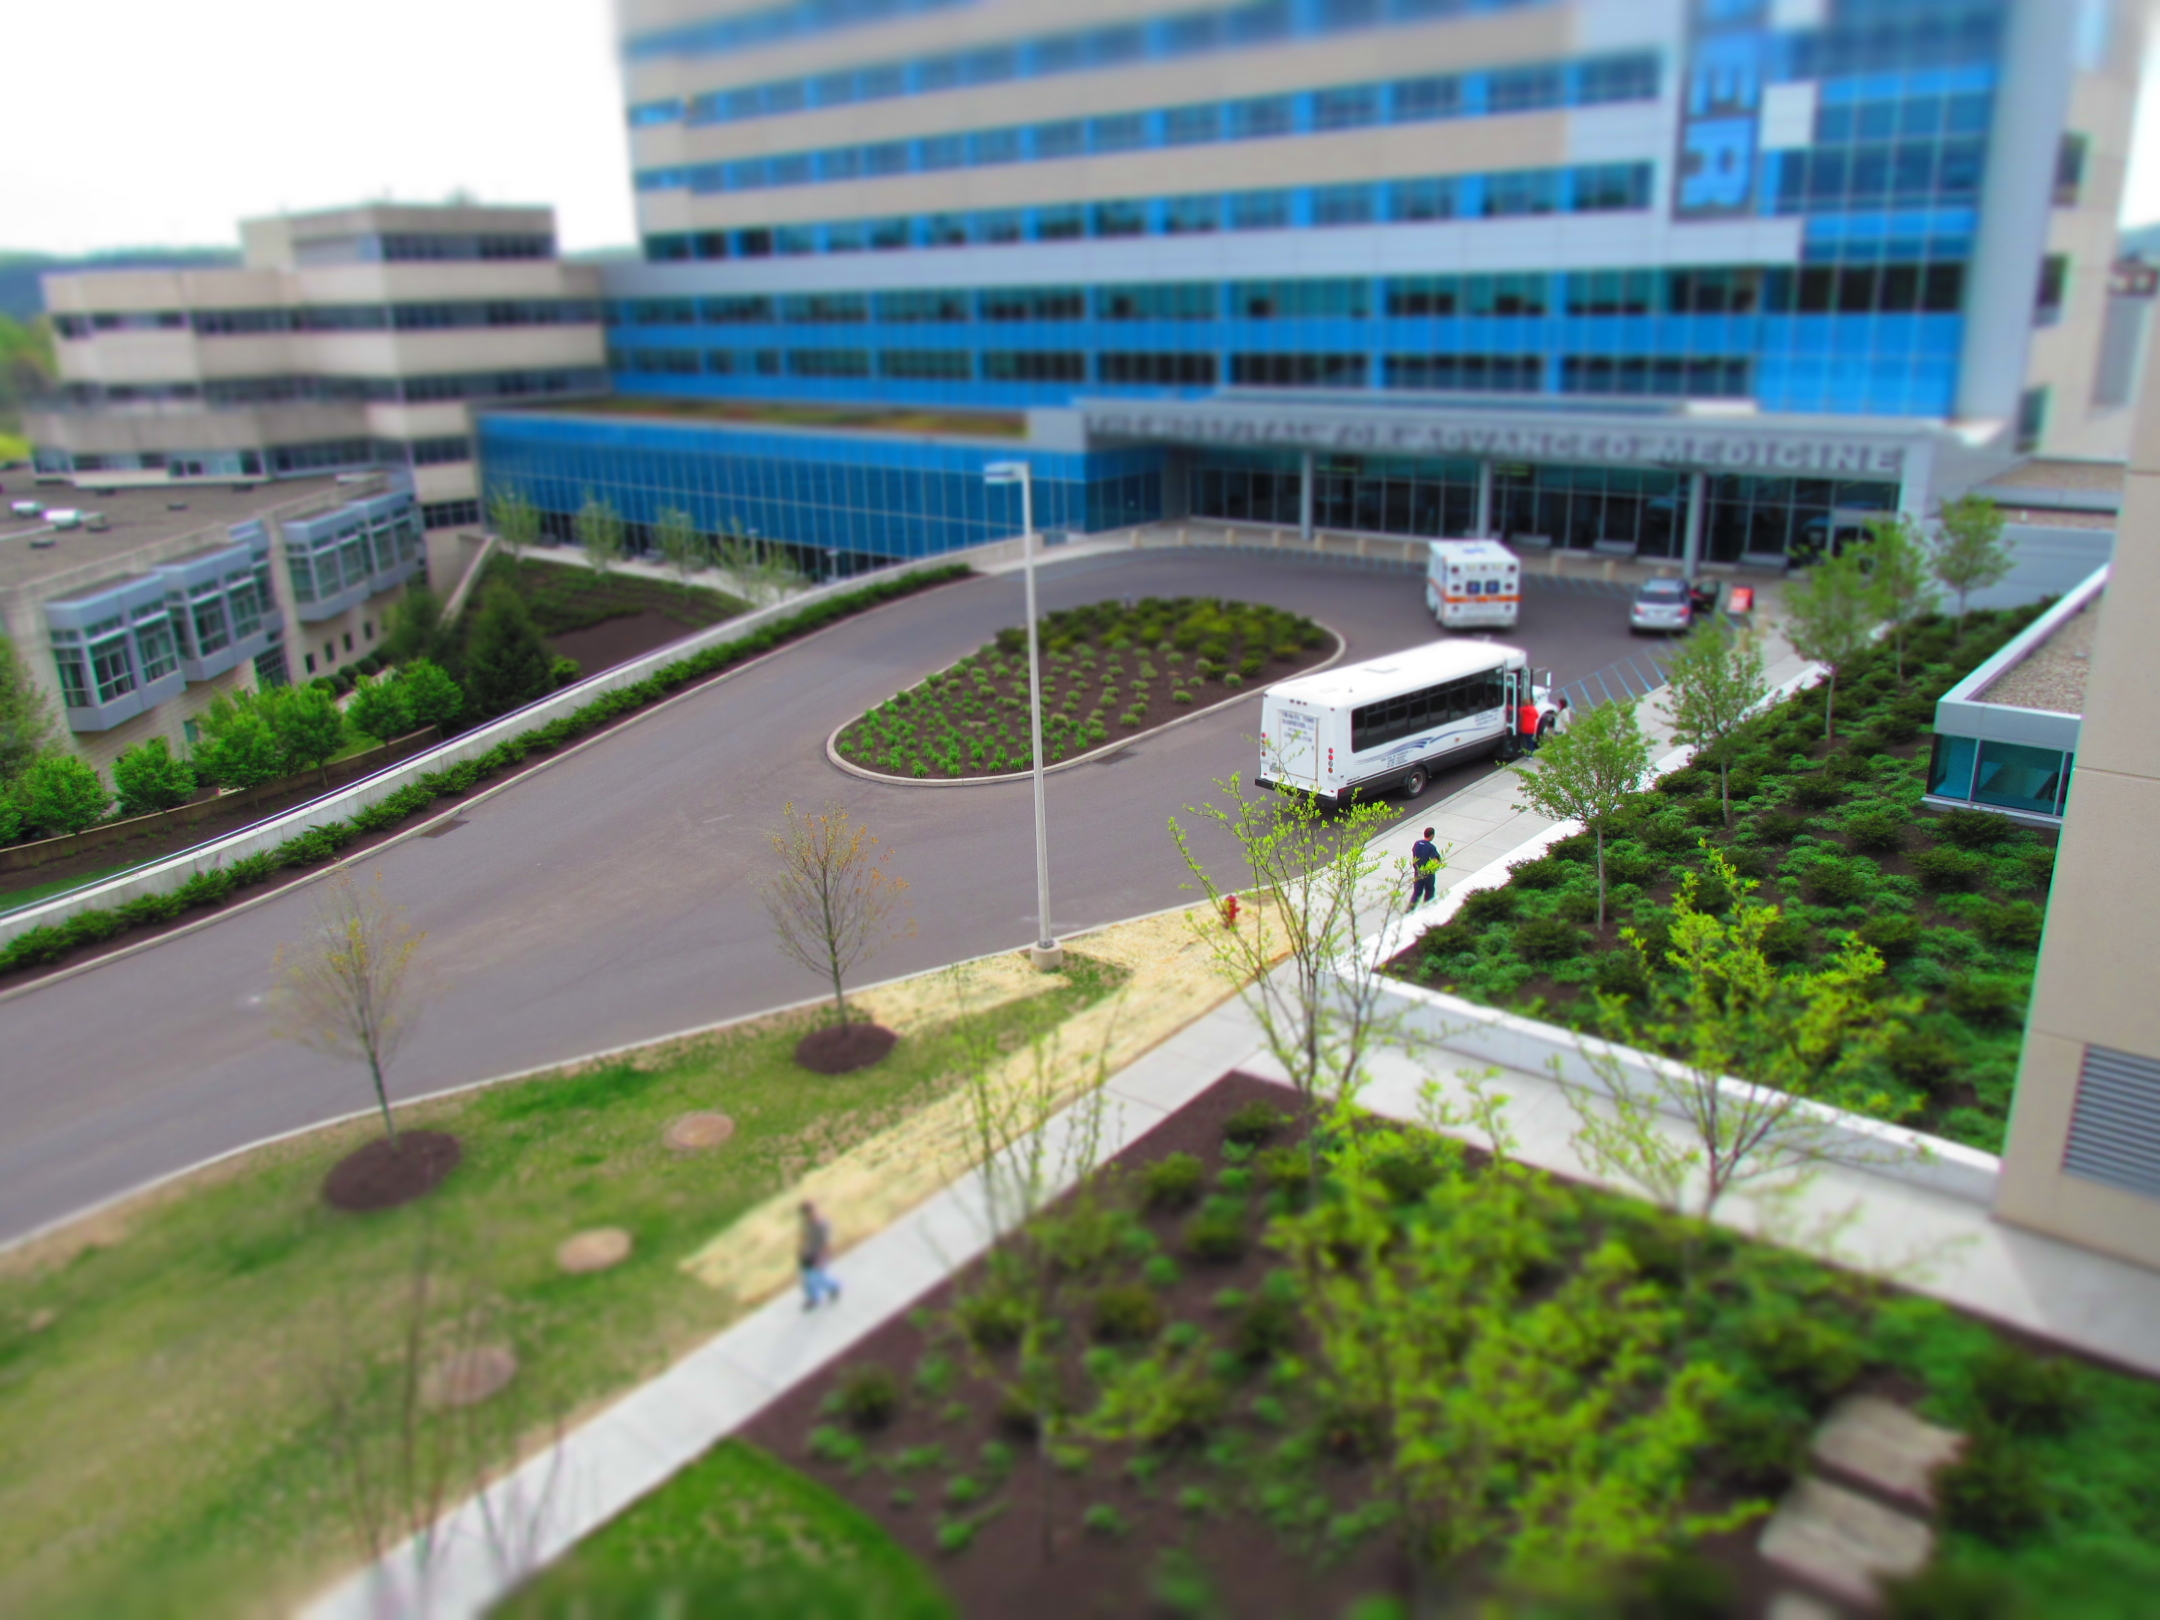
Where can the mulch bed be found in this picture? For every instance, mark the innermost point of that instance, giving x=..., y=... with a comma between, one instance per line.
x=971, y=721
x=616, y=641
x=383, y=1175
x=844, y=1048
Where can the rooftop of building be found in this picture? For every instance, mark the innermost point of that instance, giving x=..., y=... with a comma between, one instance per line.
x=158, y=523
x=2051, y=675
x=2058, y=491
x=762, y=413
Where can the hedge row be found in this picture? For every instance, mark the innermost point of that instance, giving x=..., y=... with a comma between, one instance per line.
x=43, y=945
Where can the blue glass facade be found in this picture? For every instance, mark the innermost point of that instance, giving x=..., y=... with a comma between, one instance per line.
x=862, y=494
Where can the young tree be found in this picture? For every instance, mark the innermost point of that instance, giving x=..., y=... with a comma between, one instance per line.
x=761, y=570
x=148, y=778
x=346, y=989
x=307, y=724
x=506, y=663
x=61, y=794
x=1969, y=554
x=378, y=707
x=1586, y=774
x=1899, y=567
x=236, y=747
x=1716, y=679
x=418, y=630
x=1311, y=887
x=26, y=718
x=1830, y=616
x=516, y=519
x=599, y=530
x=431, y=696
x=1545, y=1427
x=1793, y=1039
x=677, y=540
x=832, y=902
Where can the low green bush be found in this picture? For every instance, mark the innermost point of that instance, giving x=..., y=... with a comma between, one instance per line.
x=1621, y=973
x=1216, y=1234
x=1264, y=1329
x=1546, y=939
x=1482, y=906
x=1895, y=936
x=1991, y=1002
x=1878, y=832
x=2026, y=1394
x=1993, y=1491
x=1173, y=1181
x=1971, y=829
x=1816, y=791
x=2014, y=926
x=1408, y=1172
x=1684, y=1586
x=1757, y=1447
x=1922, y=1059
x=1254, y=1124
x=1286, y=1170
x=1952, y=1592
x=1829, y=881
x=1948, y=870
x=1125, y=1313
x=867, y=1396
x=1814, y=1356
x=991, y=1320
x=1543, y=873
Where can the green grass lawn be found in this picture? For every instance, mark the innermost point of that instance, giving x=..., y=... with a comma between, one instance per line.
x=16, y=899
x=166, y=1430
x=736, y=1533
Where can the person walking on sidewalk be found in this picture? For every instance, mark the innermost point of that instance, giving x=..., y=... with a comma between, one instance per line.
x=1425, y=867
x=1563, y=720
x=1526, y=728
x=818, y=1284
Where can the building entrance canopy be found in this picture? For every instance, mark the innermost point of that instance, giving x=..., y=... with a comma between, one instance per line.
x=1669, y=438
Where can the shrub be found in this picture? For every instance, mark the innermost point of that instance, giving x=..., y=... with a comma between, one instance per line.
x=1668, y=835
x=1778, y=827
x=1407, y=1173
x=1482, y=906
x=1688, y=782
x=2024, y=1393
x=1544, y=873
x=1832, y=882
x=1985, y=1001
x=2039, y=865
x=1947, y=869
x=1895, y=936
x=1254, y=1124
x=1816, y=791
x=1813, y=1356
x=1993, y=1491
x=1787, y=940
x=1952, y=1592
x=1878, y=832
x=991, y=1321
x=1577, y=906
x=1172, y=1182
x=1351, y=1433
x=1760, y=1448
x=1706, y=813
x=867, y=1396
x=1017, y=1416
x=1685, y=1586
x=1217, y=1234
x=1102, y=1519
x=1546, y=939
x=1971, y=829
x=1264, y=1330
x=1621, y=973
x=1126, y=1313
x=1287, y=1170
x=59, y=794
x=1923, y=1060
x=2015, y=926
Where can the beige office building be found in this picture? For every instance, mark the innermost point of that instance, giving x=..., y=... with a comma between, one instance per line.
x=357, y=337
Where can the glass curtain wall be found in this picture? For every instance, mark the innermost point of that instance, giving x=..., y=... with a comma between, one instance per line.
x=1370, y=494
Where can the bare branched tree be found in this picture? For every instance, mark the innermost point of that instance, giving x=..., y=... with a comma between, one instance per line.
x=832, y=902
x=347, y=988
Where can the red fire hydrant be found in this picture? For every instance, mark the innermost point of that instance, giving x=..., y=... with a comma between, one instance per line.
x=1230, y=911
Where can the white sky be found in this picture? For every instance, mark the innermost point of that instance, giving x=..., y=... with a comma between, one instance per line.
x=130, y=122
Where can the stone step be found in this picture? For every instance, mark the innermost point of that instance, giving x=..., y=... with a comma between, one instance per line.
x=1886, y=1448
x=1843, y=1542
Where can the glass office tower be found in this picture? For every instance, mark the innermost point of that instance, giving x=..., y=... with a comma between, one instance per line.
x=1823, y=218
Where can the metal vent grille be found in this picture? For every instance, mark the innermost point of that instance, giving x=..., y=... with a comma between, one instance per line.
x=2115, y=1127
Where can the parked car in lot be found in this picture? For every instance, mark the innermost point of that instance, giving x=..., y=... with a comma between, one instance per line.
x=1664, y=605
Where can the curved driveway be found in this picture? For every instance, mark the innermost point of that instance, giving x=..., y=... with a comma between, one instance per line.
x=609, y=896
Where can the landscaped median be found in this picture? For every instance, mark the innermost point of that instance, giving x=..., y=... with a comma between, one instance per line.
x=1832, y=833
x=189, y=1380
x=315, y=834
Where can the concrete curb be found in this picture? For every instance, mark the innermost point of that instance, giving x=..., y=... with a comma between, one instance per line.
x=832, y=743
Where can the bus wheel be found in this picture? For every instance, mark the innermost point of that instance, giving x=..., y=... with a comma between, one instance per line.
x=1413, y=784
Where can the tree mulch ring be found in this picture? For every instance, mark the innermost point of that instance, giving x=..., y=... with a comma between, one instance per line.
x=383, y=1176
x=693, y=1133
x=468, y=1377
x=844, y=1048
x=596, y=1249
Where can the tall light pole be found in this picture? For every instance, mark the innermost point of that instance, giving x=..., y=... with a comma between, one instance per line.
x=1046, y=951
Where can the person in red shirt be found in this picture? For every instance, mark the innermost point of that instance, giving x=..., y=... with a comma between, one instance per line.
x=1526, y=728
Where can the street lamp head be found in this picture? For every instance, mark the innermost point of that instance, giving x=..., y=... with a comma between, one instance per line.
x=1005, y=472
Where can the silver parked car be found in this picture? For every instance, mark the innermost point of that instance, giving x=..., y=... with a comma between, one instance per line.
x=1663, y=605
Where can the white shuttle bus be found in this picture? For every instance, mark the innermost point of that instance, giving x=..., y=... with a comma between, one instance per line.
x=1361, y=731
x=1473, y=584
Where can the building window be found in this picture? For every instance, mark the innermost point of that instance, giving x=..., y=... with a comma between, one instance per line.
x=2031, y=419
x=449, y=514
x=1473, y=373
x=1031, y=365
x=828, y=362
x=2054, y=289
x=940, y=365
x=309, y=659
x=367, y=629
x=1347, y=108
x=1298, y=370
x=2070, y=168
x=1167, y=370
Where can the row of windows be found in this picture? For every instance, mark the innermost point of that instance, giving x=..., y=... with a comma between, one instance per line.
x=1256, y=22
x=233, y=392
x=1471, y=95
x=339, y=317
x=1691, y=376
x=1883, y=174
x=1586, y=188
x=449, y=514
x=1734, y=290
x=1375, y=725
x=406, y=247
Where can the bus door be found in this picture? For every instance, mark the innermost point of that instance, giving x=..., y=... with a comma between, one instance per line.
x=1518, y=688
x=1294, y=744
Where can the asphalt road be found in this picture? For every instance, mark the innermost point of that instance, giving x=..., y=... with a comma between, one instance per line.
x=609, y=896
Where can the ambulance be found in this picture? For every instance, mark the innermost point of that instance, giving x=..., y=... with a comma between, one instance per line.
x=1473, y=585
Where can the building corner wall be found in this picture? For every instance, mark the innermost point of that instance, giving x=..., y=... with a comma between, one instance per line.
x=2094, y=984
